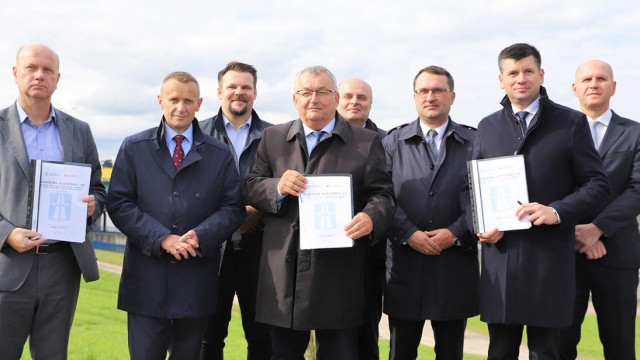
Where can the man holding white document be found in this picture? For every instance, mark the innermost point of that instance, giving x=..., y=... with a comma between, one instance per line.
x=528, y=276
x=318, y=288
x=40, y=278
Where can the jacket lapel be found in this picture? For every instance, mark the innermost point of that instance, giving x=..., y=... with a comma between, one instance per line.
x=11, y=131
x=613, y=133
x=65, y=131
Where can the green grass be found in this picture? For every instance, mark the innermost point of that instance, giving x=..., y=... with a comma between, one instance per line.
x=100, y=330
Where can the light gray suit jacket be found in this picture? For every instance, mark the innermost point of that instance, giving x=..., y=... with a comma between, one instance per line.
x=15, y=171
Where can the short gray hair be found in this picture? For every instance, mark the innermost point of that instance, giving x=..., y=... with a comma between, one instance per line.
x=316, y=70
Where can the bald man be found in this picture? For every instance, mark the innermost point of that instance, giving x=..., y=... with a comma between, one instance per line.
x=354, y=106
x=608, y=245
x=40, y=279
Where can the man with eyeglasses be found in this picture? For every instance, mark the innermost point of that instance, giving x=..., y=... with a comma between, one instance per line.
x=321, y=289
x=240, y=128
x=433, y=272
x=528, y=276
x=354, y=106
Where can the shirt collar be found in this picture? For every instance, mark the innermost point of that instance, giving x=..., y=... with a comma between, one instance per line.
x=22, y=114
x=605, y=118
x=328, y=128
x=440, y=129
x=170, y=133
x=228, y=123
x=532, y=109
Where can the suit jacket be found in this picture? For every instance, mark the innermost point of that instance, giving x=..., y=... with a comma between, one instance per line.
x=620, y=154
x=446, y=286
x=315, y=289
x=528, y=277
x=148, y=200
x=15, y=171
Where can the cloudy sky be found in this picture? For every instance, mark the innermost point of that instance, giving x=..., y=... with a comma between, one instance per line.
x=114, y=53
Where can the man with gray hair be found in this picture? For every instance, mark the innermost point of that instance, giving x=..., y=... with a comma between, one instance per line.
x=319, y=289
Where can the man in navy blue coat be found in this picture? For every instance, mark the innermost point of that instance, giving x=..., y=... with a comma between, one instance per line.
x=528, y=276
x=176, y=211
x=432, y=271
x=608, y=245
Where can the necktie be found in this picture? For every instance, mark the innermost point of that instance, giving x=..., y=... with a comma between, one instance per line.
x=522, y=116
x=594, y=133
x=178, y=153
x=432, y=142
x=317, y=136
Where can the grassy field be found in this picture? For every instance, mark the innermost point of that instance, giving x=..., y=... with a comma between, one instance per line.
x=100, y=332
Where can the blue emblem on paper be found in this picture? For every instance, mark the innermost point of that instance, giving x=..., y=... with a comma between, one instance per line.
x=325, y=216
x=59, y=206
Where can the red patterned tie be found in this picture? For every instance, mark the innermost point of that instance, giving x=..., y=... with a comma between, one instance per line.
x=178, y=153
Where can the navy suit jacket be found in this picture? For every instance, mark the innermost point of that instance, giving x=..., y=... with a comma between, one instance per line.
x=620, y=154
x=528, y=277
x=148, y=200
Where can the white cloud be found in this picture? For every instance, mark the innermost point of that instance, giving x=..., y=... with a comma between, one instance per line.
x=114, y=54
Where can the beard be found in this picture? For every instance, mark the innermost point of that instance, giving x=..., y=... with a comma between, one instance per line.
x=238, y=112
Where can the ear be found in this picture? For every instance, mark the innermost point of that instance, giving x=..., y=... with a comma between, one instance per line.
x=541, y=76
x=199, y=103
x=160, y=101
x=500, y=78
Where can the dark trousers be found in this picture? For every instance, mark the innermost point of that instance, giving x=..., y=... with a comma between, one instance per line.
x=41, y=309
x=368, y=331
x=614, y=297
x=238, y=275
x=406, y=335
x=150, y=338
x=504, y=342
x=339, y=344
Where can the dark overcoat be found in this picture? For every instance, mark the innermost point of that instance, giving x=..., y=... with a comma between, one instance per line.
x=418, y=286
x=315, y=289
x=148, y=200
x=528, y=277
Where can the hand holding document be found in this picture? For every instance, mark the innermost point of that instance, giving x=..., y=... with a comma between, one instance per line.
x=498, y=187
x=325, y=208
x=55, y=204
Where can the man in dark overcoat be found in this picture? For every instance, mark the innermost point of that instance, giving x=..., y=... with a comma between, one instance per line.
x=176, y=211
x=356, y=98
x=322, y=289
x=433, y=271
x=528, y=276
x=239, y=127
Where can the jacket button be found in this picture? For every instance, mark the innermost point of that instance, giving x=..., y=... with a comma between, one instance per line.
x=519, y=137
x=432, y=166
x=296, y=226
x=431, y=193
x=176, y=193
x=198, y=196
x=174, y=227
x=288, y=258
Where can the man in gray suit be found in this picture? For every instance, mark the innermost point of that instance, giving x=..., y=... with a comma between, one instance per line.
x=40, y=279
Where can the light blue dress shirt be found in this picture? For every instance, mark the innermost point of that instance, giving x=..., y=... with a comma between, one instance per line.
x=186, y=143
x=238, y=137
x=42, y=142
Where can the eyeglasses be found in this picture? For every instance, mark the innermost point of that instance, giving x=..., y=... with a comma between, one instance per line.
x=436, y=92
x=307, y=94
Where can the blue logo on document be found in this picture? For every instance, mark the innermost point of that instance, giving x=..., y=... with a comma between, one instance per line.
x=60, y=206
x=325, y=216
